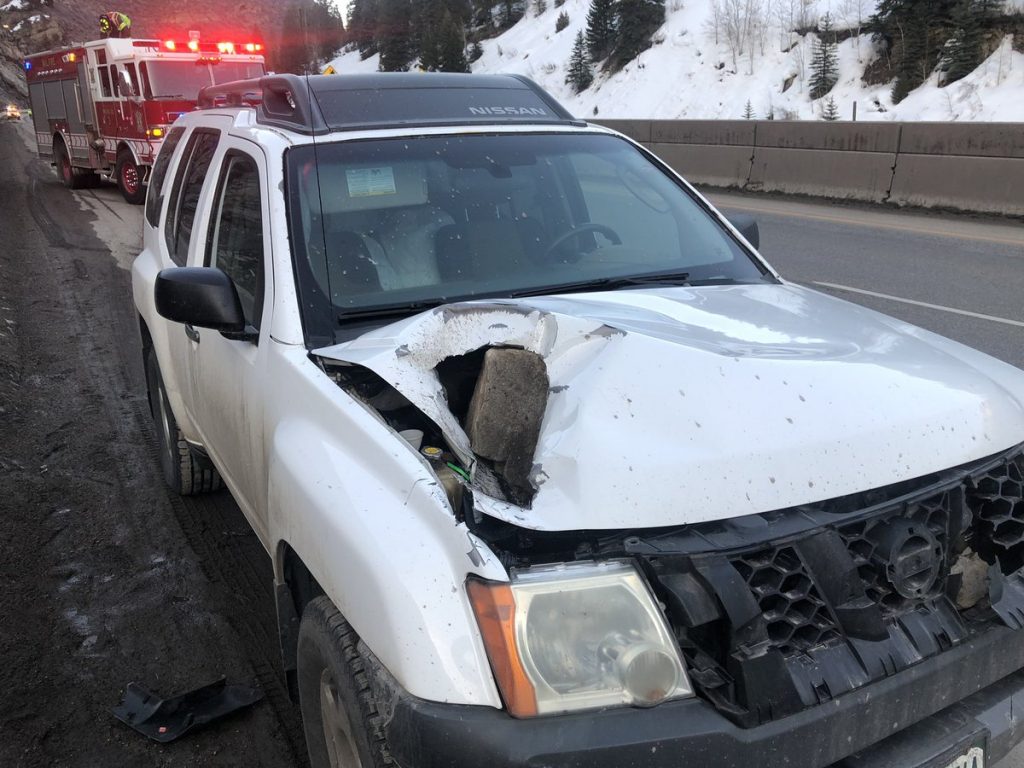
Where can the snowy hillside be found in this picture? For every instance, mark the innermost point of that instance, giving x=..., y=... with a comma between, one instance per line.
x=685, y=74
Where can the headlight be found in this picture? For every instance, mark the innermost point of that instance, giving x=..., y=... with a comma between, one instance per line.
x=571, y=637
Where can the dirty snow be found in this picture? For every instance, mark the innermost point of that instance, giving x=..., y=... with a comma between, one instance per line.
x=686, y=75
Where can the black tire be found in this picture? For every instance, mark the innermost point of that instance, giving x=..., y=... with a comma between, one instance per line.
x=129, y=178
x=332, y=672
x=183, y=472
x=71, y=177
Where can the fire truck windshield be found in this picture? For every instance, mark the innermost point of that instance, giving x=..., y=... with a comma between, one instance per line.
x=183, y=79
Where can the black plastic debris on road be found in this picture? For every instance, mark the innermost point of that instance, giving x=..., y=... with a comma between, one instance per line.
x=165, y=720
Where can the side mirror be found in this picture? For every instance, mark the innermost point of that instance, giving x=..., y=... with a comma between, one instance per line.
x=747, y=225
x=203, y=297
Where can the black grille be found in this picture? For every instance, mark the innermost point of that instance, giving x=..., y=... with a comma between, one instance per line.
x=997, y=499
x=796, y=616
x=781, y=611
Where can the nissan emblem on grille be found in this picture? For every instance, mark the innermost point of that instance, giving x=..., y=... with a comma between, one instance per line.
x=911, y=555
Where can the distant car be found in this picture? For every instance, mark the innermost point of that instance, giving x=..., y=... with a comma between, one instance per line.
x=13, y=112
x=554, y=469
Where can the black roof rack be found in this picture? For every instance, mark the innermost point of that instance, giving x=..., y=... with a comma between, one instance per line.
x=323, y=103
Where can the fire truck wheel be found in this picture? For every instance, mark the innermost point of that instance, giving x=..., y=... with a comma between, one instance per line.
x=129, y=178
x=71, y=177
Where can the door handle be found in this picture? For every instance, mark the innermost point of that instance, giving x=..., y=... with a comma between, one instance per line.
x=192, y=333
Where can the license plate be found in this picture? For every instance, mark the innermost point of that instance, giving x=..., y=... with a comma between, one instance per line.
x=975, y=758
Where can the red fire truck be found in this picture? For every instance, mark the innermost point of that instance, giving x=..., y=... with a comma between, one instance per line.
x=103, y=108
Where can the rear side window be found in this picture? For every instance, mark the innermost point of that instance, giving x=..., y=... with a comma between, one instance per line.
x=188, y=185
x=156, y=179
x=235, y=240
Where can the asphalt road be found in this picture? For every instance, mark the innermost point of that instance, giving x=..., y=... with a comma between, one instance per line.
x=112, y=578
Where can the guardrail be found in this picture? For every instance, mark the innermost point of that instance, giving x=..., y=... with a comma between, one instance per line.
x=967, y=166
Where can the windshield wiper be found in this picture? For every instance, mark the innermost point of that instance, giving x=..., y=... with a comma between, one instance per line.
x=388, y=310
x=608, y=283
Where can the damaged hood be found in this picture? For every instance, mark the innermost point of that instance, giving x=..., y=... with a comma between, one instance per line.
x=681, y=405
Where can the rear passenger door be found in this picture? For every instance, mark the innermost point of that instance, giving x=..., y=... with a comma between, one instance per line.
x=229, y=380
x=183, y=203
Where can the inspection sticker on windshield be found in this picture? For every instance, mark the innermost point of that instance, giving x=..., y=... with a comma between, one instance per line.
x=370, y=182
x=973, y=759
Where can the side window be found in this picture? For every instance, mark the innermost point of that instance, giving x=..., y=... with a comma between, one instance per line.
x=156, y=179
x=115, y=81
x=235, y=240
x=105, y=82
x=188, y=185
x=147, y=89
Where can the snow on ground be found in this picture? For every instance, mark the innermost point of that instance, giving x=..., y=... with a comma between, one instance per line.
x=685, y=74
x=14, y=5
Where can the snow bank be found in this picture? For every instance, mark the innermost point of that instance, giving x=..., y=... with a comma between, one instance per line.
x=685, y=74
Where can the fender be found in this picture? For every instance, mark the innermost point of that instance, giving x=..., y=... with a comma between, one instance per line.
x=144, y=270
x=372, y=525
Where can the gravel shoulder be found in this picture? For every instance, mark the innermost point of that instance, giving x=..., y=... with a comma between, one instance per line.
x=105, y=577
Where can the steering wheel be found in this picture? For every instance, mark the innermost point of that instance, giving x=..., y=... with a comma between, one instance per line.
x=608, y=232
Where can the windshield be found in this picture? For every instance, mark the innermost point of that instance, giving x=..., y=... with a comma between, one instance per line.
x=384, y=224
x=183, y=79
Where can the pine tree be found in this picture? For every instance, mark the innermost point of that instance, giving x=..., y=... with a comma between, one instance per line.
x=580, y=74
x=748, y=111
x=561, y=22
x=830, y=111
x=912, y=34
x=601, y=29
x=294, y=54
x=539, y=6
x=636, y=21
x=475, y=51
x=965, y=49
x=825, y=61
x=362, y=26
x=451, y=46
x=394, y=35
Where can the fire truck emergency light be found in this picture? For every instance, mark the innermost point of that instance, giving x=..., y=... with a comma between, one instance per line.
x=170, y=45
x=193, y=45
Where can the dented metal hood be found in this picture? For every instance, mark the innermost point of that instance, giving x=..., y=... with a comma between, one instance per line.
x=670, y=406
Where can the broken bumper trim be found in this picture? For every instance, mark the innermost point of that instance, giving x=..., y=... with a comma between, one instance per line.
x=975, y=687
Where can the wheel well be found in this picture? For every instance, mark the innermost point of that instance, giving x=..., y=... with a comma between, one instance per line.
x=295, y=591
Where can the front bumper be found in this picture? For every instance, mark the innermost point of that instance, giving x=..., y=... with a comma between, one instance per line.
x=973, y=693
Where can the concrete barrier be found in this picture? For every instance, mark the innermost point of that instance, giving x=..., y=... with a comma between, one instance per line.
x=715, y=166
x=729, y=132
x=823, y=173
x=837, y=137
x=981, y=184
x=967, y=139
x=967, y=166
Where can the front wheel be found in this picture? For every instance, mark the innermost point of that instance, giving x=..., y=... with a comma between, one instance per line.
x=183, y=472
x=129, y=178
x=342, y=725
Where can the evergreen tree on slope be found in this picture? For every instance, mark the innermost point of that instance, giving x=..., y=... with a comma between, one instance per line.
x=600, y=29
x=580, y=75
x=636, y=21
x=825, y=62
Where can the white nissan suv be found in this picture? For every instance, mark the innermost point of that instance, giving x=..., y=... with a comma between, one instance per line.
x=554, y=469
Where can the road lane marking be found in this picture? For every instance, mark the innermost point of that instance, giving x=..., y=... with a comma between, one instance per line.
x=731, y=203
x=953, y=310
